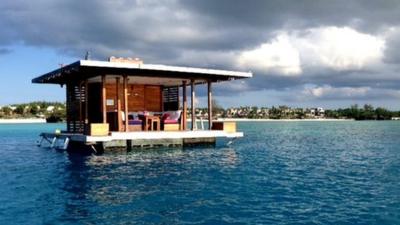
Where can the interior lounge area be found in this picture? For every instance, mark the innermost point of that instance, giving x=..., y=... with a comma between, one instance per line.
x=131, y=103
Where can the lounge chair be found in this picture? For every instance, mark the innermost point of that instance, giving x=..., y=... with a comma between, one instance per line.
x=171, y=120
x=134, y=122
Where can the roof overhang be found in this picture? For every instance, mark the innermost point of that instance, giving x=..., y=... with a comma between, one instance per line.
x=86, y=69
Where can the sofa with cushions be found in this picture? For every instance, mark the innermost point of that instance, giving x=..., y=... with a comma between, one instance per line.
x=135, y=123
x=170, y=120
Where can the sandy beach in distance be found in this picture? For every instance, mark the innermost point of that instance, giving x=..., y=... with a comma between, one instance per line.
x=36, y=120
x=29, y=120
x=279, y=120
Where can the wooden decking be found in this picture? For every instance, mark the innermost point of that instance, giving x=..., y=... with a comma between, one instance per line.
x=147, y=135
x=144, y=138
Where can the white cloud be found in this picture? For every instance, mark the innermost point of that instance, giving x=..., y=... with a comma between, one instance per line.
x=279, y=56
x=339, y=92
x=340, y=48
x=329, y=92
x=325, y=47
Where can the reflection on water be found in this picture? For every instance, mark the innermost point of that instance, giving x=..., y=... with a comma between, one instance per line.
x=223, y=156
x=76, y=186
x=230, y=158
x=127, y=179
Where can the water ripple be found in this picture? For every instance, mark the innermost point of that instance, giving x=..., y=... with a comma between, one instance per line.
x=280, y=173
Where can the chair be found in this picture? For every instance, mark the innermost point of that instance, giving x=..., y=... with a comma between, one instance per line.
x=134, y=122
x=171, y=120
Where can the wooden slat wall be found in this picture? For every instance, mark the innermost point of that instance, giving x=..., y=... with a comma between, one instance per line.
x=75, y=109
x=140, y=97
x=135, y=98
x=111, y=93
x=152, y=98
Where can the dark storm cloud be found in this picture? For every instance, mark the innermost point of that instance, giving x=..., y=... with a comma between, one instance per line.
x=106, y=27
x=392, y=53
x=368, y=15
x=135, y=26
x=205, y=33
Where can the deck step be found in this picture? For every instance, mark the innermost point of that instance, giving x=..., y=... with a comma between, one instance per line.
x=55, y=141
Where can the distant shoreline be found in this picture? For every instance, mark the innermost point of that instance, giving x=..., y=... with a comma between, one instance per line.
x=21, y=121
x=35, y=120
x=280, y=120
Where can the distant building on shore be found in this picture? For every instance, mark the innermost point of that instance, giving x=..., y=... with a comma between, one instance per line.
x=317, y=112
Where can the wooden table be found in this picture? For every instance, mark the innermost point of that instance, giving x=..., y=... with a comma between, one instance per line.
x=150, y=121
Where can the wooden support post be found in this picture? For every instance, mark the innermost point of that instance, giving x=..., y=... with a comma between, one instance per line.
x=193, y=107
x=126, y=103
x=184, y=105
x=86, y=101
x=68, y=106
x=209, y=104
x=80, y=108
x=162, y=99
x=119, y=114
x=104, y=98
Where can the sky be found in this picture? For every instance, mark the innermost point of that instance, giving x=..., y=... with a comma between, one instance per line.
x=302, y=53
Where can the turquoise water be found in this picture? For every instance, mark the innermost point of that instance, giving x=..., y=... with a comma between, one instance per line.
x=280, y=173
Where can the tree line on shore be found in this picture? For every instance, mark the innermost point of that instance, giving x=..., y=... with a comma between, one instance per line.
x=367, y=112
x=56, y=111
x=40, y=109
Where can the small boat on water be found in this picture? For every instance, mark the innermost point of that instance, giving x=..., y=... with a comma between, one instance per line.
x=53, y=119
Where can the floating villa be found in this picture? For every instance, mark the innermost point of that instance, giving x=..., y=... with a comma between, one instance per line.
x=125, y=103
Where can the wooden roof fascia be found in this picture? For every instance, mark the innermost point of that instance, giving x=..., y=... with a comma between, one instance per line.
x=85, y=69
x=56, y=75
x=158, y=68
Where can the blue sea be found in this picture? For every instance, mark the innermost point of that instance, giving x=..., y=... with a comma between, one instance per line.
x=279, y=173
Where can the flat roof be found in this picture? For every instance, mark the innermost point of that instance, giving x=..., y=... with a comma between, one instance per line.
x=85, y=69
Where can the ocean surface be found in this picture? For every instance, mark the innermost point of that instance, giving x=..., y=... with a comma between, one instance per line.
x=279, y=173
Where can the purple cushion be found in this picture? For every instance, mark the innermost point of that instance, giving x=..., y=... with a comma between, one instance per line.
x=165, y=116
x=168, y=121
x=135, y=122
x=173, y=115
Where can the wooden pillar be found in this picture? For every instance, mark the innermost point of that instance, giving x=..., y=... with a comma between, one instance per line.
x=104, y=98
x=80, y=108
x=162, y=99
x=119, y=114
x=184, y=105
x=86, y=103
x=126, y=103
x=209, y=104
x=68, y=106
x=193, y=107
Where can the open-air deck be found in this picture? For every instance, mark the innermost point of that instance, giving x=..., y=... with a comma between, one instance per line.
x=125, y=103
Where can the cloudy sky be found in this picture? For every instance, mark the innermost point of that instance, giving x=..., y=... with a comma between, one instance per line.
x=301, y=52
